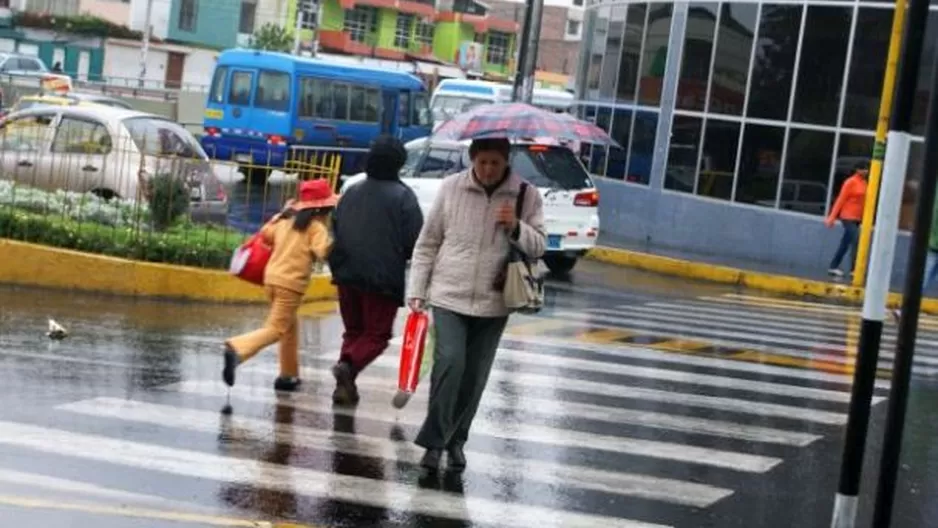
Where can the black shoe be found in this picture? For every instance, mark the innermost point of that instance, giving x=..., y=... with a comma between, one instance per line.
x=346, y=393
x=231, y=363
x=431, y=459
x=287, y=384
x=456, y=458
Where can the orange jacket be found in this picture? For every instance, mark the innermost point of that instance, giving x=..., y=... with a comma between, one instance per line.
x=850, y=201
x=294, y=252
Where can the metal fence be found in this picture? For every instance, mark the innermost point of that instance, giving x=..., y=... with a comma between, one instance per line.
x=142, y=193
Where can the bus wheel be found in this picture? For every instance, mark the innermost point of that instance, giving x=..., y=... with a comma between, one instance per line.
x=255, y=175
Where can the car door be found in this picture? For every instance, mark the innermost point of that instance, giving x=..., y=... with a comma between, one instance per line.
x=24, y=149
x=428, y=176
x=79, y=155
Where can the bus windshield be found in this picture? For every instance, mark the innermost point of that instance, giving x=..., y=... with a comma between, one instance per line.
x=448, y=106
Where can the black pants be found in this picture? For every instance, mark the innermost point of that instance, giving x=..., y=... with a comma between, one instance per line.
x=463, y=354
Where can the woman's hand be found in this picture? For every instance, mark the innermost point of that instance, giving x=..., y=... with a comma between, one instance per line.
x=416, y=304
x=505, y=216
x=829, y=222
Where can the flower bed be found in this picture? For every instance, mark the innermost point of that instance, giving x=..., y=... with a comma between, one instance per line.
x=119, y=228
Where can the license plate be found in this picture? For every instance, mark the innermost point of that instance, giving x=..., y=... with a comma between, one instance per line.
x=195, y=194
x=244, y=158
x=554, y=241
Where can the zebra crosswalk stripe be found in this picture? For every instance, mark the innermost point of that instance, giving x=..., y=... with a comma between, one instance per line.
x=627, y=484
x=384, y=494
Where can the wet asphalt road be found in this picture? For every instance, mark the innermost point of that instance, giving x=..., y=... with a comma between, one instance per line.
x=633, y=400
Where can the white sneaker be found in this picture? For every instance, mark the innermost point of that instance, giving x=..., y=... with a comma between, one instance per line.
x=835, y=272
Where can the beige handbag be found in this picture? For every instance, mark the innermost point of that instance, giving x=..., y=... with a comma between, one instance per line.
x=524, y=288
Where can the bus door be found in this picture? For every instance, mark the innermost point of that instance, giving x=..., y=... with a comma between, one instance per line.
x=239, y=115
x=417, y=122
x=389, y=112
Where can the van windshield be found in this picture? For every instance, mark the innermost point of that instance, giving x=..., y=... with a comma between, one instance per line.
x=449, y=106
x=550, y=166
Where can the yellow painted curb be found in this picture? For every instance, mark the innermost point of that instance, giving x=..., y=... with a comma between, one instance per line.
x=36, y=265
x=748, y=279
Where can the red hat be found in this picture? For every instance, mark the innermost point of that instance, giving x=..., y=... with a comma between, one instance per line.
x=315, y=193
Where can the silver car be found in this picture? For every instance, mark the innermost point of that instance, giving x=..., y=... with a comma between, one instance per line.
x=112, y=152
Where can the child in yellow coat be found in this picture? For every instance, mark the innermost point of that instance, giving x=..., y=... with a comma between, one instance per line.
x=300, y=238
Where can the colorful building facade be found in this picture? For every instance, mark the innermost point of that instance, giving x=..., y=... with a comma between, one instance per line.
x=481, y=45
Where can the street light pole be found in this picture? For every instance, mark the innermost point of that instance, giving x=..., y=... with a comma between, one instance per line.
x=908, y=321
x=537, y=16
x=145, y=45
x=517, y=92
x=898, y=140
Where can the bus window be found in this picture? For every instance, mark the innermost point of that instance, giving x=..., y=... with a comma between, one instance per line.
x=239, y=93
x=403, y=113
x=217, y=95
x=273, y=91
x=340, y=101
x=365, y=104
x=421, y=115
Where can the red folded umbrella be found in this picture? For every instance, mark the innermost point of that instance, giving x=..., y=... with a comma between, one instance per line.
x=416, y=330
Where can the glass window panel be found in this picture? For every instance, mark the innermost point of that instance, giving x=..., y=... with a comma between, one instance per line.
x=642, y=148
x=808, y=169
x=924, y=74
x=774, y=64
x=823, y=55
x=759, y=163
x=597, y=163
x=610, y=69
x=621, y=131
x=698, y=50
x=654, y=54
x=631, y=53
x=718, y=163
x=682, y=154
x=867, y=65
x=731, y=63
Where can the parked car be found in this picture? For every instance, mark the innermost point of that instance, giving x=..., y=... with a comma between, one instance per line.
x=111, y=152
x=571, y=200
x=64, y=99
x=25, y=70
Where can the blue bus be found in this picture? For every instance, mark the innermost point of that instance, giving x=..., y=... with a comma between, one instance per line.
x=261, y=104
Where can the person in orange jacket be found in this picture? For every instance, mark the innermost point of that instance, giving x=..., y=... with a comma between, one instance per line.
x=299, y=238
x=848, y=208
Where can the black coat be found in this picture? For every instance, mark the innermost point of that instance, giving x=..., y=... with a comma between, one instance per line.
x=376, y=225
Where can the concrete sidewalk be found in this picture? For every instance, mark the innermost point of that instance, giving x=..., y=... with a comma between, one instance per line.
x=756, y=275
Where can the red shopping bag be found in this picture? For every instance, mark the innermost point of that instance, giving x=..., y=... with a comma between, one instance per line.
x=250, y=260
x=416, y=332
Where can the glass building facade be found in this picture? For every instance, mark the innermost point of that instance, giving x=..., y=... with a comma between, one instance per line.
x=766, y=105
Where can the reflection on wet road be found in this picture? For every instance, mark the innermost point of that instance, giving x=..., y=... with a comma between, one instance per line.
x=631, y=400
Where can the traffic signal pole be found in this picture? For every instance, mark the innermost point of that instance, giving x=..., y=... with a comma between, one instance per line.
x=899, y=140
x=908, y=321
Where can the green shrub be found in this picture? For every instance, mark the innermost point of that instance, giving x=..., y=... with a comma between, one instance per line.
x=188, y=244
x=82, y=207
x=168, y=199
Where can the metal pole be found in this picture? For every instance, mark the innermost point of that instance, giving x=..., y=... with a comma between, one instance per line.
x=883, y=249
x=145, y=45
x=537, y=16
x=297, y=27
x=908, y=321
x=879, y=148
x=517, y=92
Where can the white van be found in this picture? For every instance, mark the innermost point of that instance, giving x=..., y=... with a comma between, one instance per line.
x=571, y=201
x=455, y=96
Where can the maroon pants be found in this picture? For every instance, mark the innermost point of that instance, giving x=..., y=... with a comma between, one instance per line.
x=369, y=322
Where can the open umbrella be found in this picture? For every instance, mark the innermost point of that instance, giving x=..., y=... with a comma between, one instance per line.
x=520, y=121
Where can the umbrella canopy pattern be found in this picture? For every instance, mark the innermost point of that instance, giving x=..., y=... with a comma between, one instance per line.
x=520, y=121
